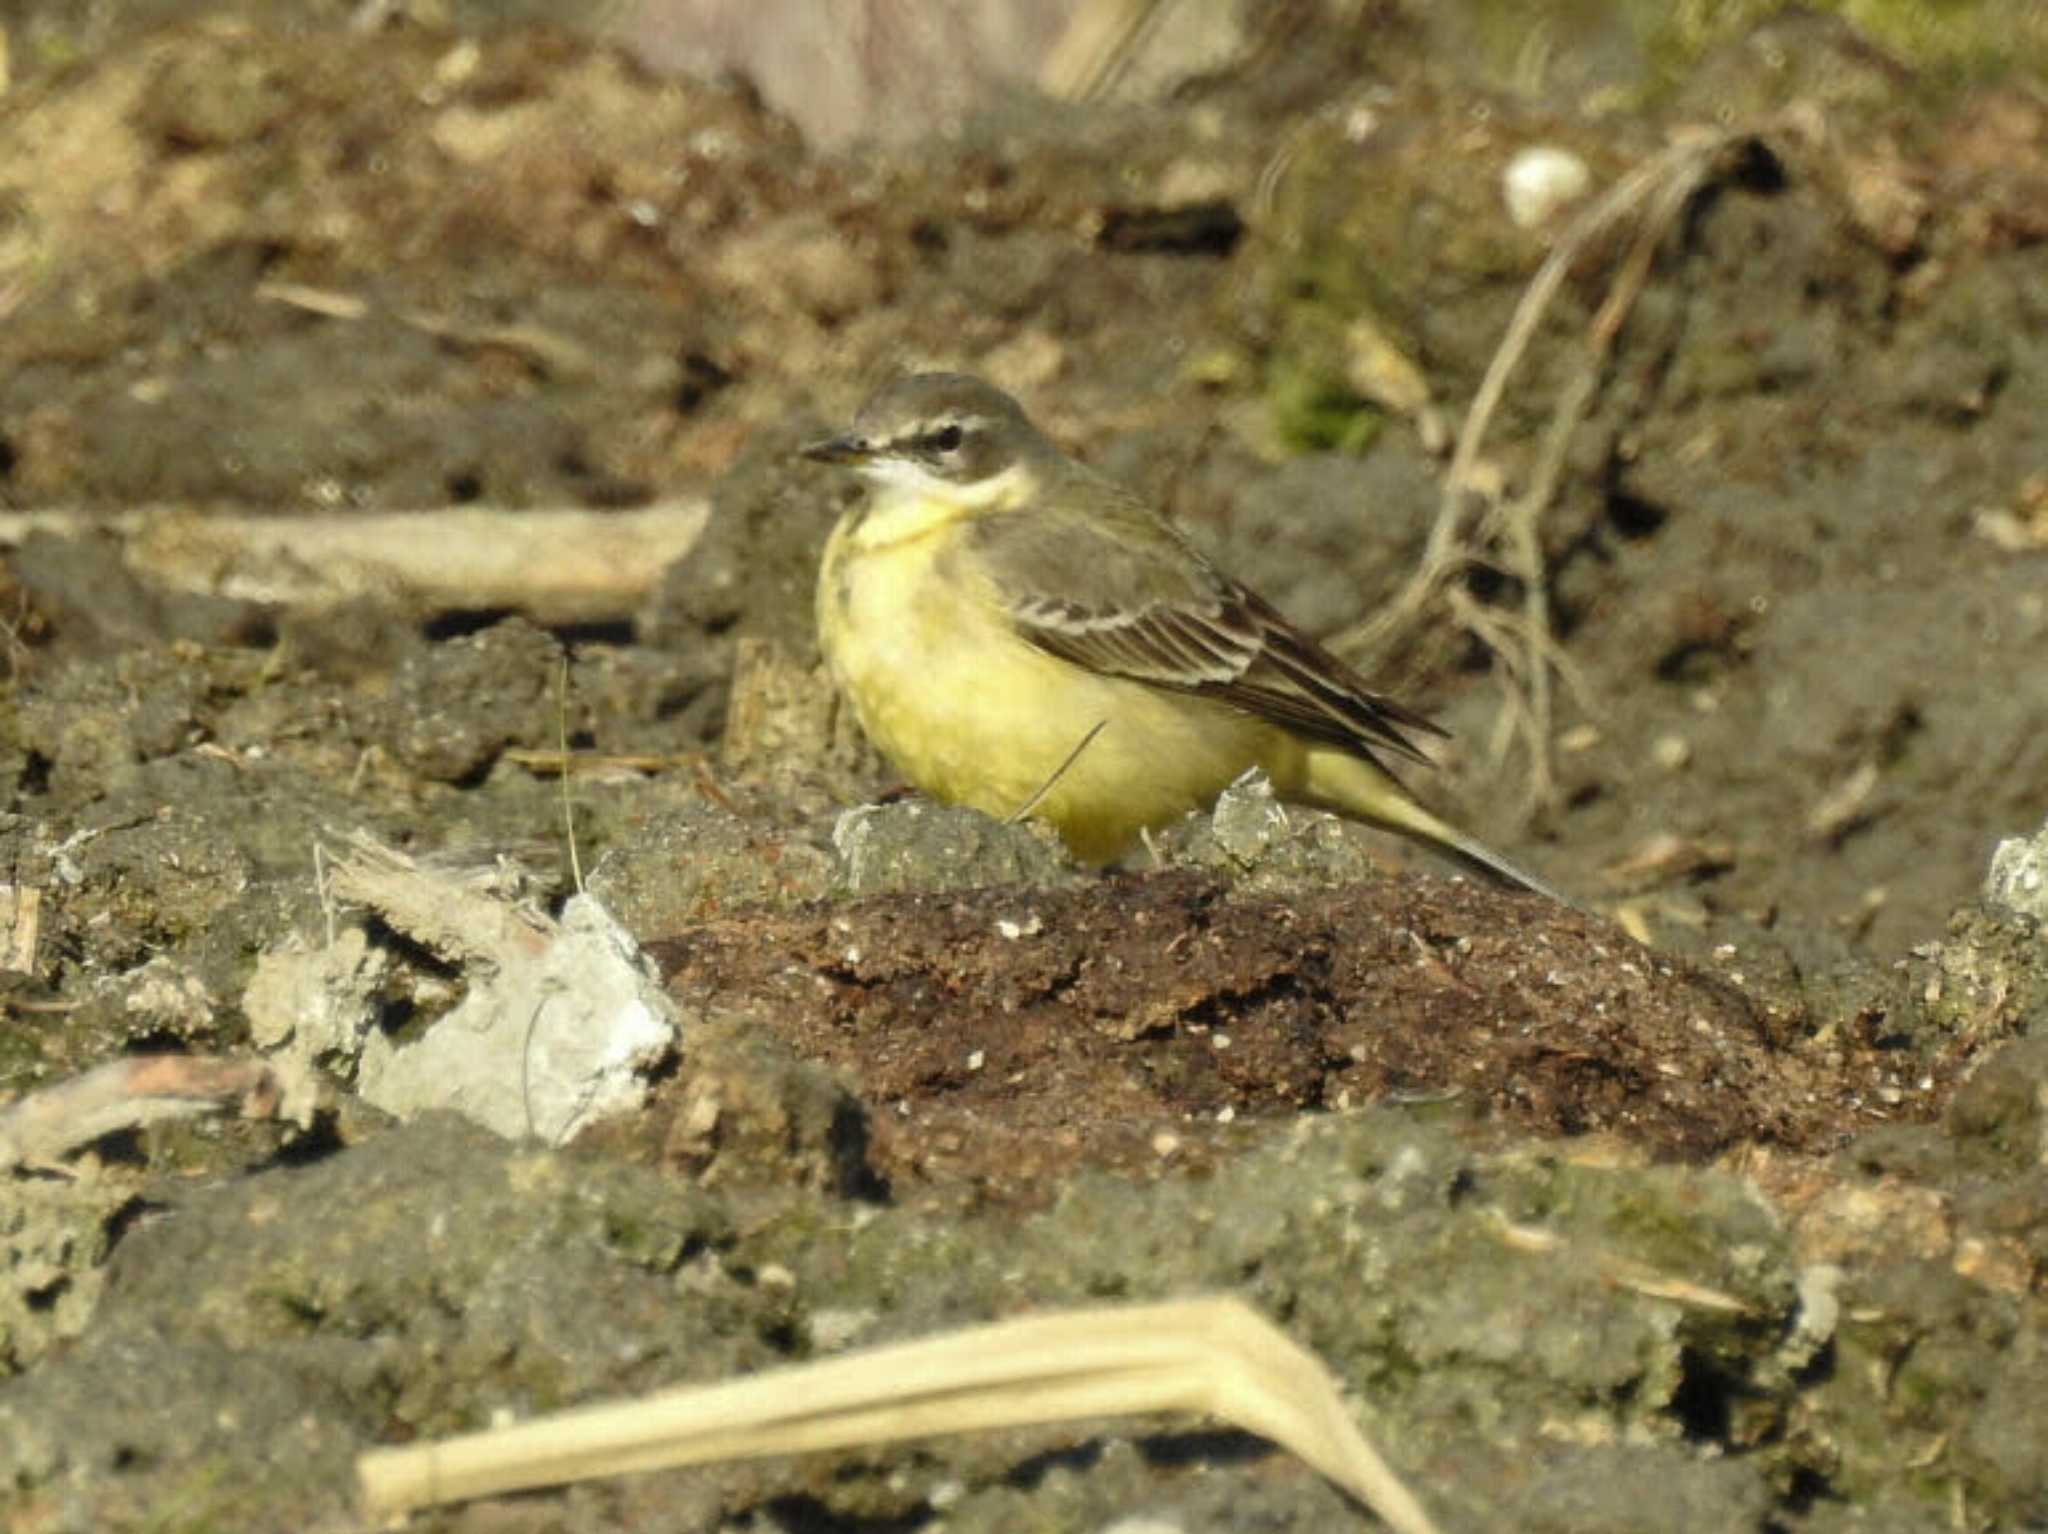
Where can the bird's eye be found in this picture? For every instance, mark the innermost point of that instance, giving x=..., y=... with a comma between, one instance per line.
x=946, y=439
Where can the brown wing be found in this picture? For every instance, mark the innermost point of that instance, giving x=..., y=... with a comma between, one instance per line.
x=1106, y=585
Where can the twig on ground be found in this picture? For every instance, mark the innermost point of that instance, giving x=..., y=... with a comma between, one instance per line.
x=546, y=762
x=47, y=1125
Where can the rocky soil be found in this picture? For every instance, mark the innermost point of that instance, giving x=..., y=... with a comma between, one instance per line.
x=336, y=340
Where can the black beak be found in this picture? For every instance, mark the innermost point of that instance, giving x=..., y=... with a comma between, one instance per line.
x=842, y=449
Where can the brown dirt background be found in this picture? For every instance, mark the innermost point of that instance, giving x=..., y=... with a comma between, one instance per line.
x=311, y=262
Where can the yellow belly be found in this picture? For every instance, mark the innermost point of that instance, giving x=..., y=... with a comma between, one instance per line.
x=971, y=713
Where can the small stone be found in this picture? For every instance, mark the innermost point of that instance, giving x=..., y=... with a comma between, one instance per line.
x=2018, y=878
x=1671, y=752
x=1541, y=181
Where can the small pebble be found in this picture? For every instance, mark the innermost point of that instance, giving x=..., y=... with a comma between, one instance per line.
x=1540, y=181
x=1671, y=752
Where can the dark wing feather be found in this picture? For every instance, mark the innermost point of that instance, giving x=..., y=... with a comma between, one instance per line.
x=1093, y=577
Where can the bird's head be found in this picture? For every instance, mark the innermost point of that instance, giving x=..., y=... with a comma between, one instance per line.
x=939, y=432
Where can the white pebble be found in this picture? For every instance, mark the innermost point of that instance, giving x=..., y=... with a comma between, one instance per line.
x=1540, y=181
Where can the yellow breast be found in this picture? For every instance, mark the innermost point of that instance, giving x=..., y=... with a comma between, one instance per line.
x=971, y=712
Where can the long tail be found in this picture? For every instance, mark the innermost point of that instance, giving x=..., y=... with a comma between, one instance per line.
x=1366, y=791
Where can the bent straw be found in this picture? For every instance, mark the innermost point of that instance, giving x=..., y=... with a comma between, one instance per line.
x=1209, y=1355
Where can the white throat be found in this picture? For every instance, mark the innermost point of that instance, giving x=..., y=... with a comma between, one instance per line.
x=910, y=500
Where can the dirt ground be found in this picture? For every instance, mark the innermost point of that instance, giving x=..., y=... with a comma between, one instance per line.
x=310, y=314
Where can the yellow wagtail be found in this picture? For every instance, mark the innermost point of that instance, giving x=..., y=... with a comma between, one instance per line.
x=1015, y=630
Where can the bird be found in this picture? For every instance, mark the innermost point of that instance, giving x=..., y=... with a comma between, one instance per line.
x=1016, y=631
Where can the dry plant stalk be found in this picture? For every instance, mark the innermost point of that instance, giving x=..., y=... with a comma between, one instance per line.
x=549, y=762
x=1660, y=187
x=1097, y=46
x=47, y=1125
x=21, y=924
x=555, y=565
x=462, y=925
x=1625, y=1272
x=1212, y=1355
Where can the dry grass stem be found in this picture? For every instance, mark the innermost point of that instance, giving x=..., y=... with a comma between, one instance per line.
x=1625, y=1272
x=548, y=761
x=562, y=745
x=1097, y=46
x=325, y=302
x=1212, y=1356
x=1661, y=187
x=1023, y=811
